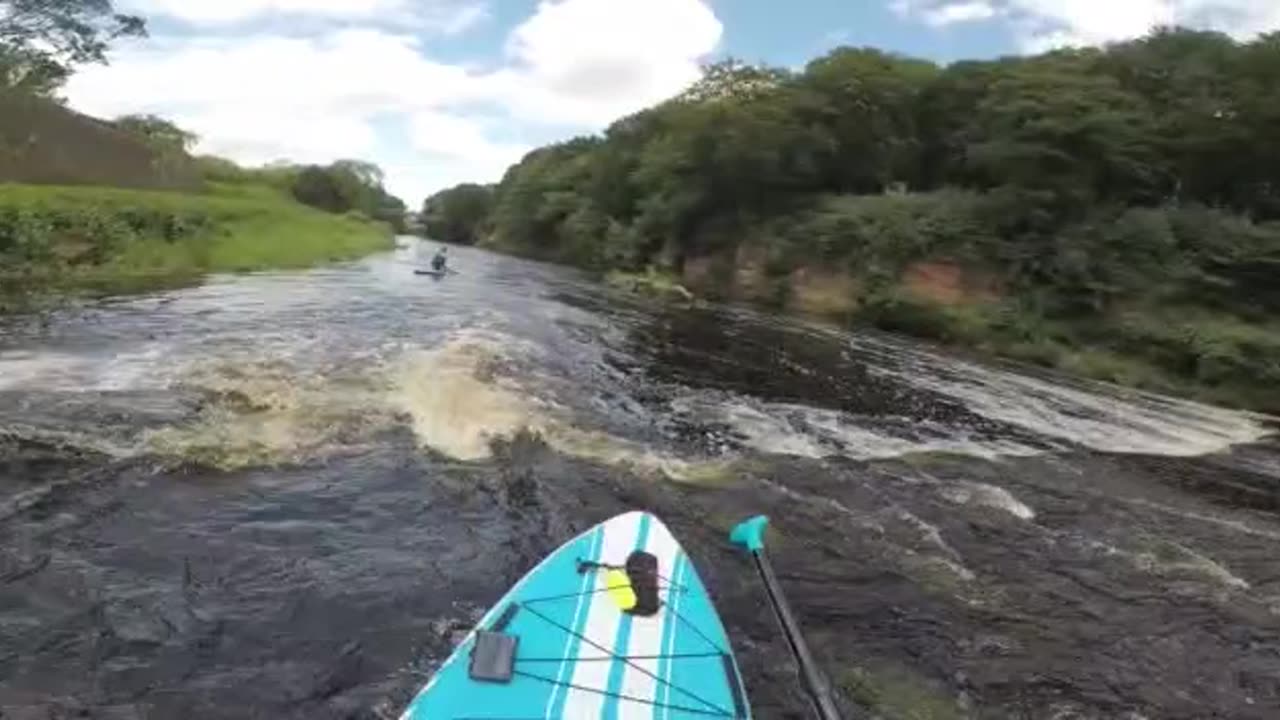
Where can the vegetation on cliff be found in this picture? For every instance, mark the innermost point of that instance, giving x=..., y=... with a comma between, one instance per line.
x=1114, y=211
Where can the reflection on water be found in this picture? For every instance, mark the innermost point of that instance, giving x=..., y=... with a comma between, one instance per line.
x=281, y=493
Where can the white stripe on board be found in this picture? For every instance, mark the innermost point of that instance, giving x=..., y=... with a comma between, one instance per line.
x=677, y=580
x=620, y=536
x=646, y=632
x=583, y=599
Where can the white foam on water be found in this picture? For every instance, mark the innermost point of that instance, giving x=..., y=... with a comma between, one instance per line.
x=611, y=450
x=928, y=532
x=982, y=494
x=1165, y=558
x=803, y=431
x=270, y=411
x=1094, y=415
x=458, y=402
x=106, y=444
x=1183, y=559
x=766, y=432
x=1230, y=524
x=60, y=371
x=466, y=393
x=22, y=369
x=934, y=562
x=886, y=523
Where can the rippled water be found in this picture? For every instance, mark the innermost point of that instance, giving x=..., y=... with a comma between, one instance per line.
x=284, y=494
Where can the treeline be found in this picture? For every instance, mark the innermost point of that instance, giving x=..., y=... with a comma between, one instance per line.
x=344, y=186
x=1123, y=199
x=460, y=214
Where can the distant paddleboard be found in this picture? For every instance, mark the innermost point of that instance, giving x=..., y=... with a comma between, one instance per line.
x=432, y=273
x=614, y=624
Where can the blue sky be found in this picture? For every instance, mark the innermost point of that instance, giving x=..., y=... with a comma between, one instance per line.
x=444, y=91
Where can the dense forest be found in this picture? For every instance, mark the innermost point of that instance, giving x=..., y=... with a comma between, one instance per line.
x=1114, y=211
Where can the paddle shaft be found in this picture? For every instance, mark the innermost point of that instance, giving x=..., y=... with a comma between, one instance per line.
x=815, y=682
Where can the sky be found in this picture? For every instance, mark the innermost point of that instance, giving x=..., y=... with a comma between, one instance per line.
x=439, y=92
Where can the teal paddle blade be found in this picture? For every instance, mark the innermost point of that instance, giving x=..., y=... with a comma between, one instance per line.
x=749, y=534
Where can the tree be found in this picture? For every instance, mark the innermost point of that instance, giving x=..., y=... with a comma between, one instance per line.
x=867, y=100
x=319, y=188
x=733, y=79
x=1080, y=136
x=347, y=185
x=158, y=132
x=42, y=40
x=367, y=173
x=29, y=71
x=390, y=209
x=457, y=214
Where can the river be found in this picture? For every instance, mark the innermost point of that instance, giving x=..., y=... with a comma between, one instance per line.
x=286, y=494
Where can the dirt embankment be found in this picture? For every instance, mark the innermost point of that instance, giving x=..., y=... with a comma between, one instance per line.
x=42, y=142
x=818, y=289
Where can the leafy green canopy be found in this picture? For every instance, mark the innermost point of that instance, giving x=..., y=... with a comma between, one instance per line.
x=1123, y=199
x=42, y=40
x=158, y=132
x=347, y=186
x=1179, y=117
x=459, y=214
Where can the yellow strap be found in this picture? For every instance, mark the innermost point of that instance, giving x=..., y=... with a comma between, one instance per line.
x=620, y=589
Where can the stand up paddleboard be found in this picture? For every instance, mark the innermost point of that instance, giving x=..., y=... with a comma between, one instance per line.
x=432, y=273
x=614, y=624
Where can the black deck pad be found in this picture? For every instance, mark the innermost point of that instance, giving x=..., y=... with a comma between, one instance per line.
x=642, y=571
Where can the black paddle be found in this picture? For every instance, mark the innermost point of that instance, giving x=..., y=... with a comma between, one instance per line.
x=749, y=535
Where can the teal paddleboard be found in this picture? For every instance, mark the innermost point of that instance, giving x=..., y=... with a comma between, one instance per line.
x=614, y=624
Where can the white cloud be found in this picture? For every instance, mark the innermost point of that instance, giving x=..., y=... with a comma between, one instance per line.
x=454, y=136
x=1043, y=24
x=344, y=72
x=460, y=148
x=262, y=98
x=590, y=61
x=961, y=12
x=375, y=93
x=446, y=16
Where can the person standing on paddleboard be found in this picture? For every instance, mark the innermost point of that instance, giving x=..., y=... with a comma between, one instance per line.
x=441, y=259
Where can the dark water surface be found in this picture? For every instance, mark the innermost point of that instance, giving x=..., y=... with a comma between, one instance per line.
x=285, y=495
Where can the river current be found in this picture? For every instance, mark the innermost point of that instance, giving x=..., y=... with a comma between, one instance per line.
x=286, y=494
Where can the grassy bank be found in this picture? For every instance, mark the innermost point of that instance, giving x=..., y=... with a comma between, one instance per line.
x=650, y=282
x=55, y=238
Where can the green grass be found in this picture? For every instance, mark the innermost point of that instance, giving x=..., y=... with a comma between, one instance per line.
x=58, y=238
x=650, y=282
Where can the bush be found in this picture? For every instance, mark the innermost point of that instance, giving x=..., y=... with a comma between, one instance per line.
x=900, y=312
x=878, y=236
x=317, y=187
x=57, y=236
x=1210, y=349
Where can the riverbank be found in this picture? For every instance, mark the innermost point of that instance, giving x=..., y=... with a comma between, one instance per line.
x=1194, y=352
x=56, y=239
